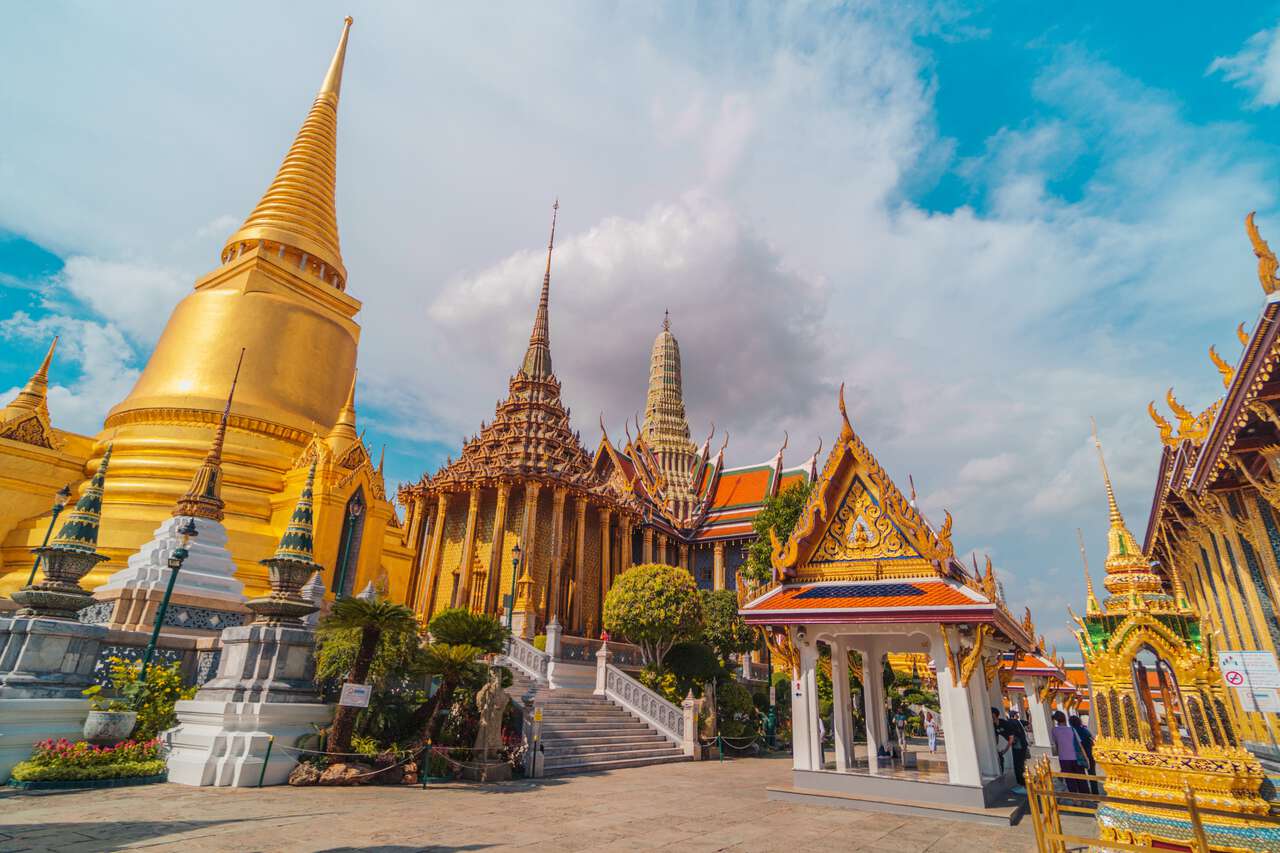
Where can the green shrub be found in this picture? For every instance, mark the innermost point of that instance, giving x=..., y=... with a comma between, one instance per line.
x=662, y=683
x=655, y=607
x=458, y=626
x=27, y=772
x=153, y=699
x=693, y=665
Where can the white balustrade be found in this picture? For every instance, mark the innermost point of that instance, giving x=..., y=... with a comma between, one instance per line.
x=528, y=659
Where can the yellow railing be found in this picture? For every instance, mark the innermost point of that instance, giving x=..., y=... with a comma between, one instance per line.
x=1046, y=807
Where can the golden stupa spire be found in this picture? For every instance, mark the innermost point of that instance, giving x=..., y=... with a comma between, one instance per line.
x=204, y=496
x=1091, y=600
x=32, y=397
x=297, y=210
x=344, y=434
x=537, y=359
x=666, y=427
x=1127, y=568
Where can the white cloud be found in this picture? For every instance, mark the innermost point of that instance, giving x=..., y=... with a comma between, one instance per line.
x=99, y=351
x=1256, y=68
x=136, y=297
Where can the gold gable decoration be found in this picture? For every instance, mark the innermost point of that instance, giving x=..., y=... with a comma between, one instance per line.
x=857, y=524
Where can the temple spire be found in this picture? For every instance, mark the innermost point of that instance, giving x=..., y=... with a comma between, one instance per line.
x=297, y=211
x=80, y=530
x=1091, y=600
x=32, y=397
x=296, y=543
x=537, y=359
x=1127, y=568
x=204, y=496
x=344, y=434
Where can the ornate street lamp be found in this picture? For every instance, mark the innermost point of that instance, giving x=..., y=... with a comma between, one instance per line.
x=176, y=559
x=59, y=502
x=511, y=598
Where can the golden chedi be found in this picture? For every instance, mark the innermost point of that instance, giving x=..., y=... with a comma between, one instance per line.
x=1161, y=712
x=279, y=293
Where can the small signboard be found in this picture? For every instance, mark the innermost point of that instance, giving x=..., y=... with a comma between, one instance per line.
x=355, y=695
x=1255, y=677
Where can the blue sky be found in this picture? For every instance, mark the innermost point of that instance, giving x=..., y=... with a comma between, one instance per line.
x=990, y=222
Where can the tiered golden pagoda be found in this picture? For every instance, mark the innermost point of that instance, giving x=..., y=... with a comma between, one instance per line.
x=279, y=293
x=525, y=480
x=1160, y=708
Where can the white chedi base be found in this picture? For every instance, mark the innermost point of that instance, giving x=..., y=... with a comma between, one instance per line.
x=26, y=722
x=208, y=571
x=224, y=743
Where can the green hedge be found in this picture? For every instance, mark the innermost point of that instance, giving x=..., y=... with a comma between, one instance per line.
x=28, y=771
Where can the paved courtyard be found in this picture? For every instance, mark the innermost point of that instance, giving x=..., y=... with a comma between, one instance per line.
x=687, y=807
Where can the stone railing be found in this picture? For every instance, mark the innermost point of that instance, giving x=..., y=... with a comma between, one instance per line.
x=528, y=659
x=583, y=650
x=676, y=723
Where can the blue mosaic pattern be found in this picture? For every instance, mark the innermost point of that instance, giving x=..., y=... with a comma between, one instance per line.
x=1264, y=839
x=97, y=614
x=201, y=618
x=102, y=669
x=207, y=661
x=874, y=590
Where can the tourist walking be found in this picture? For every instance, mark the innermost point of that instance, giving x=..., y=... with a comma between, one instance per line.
x=1086, y=743
x=1066, y=745
x=931, y=730
x=1011, y=738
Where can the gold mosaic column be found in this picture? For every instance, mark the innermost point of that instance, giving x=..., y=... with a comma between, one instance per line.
x=557, y=542
x=605, y=561
x=529, y=536
x=647, y=554
x=579, y=560
x=662, y=549
x=718, y=570
x=496, y=549
x=684, y=556
x=436, y=554
x=461, y=596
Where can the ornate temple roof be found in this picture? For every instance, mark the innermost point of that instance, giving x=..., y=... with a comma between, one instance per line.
x=26, y=417
x=530, y=436
x=297, y=209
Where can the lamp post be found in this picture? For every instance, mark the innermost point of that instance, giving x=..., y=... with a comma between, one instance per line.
x=59, y=502
x=511, y=598
x=176, y=559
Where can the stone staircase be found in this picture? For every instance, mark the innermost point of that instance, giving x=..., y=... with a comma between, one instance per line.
x=582, y=733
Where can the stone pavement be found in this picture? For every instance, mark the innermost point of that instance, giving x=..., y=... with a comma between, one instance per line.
x=687, y=807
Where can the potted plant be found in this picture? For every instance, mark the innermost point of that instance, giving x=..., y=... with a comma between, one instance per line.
x=110, y=720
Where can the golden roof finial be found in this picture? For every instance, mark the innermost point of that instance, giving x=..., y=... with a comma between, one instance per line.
x=344, y=434
x=1112, y=506
x=1127, y=566
x=1186, y=420
x=846, y=428
x=33, y=396
x=1242, y=335
x=204, y=496
x=1166, y=428
x=537, y=359
x=1091, y=600
x=297, y=209
x=1267, y=263
x=1225, y=369
x=666, y=320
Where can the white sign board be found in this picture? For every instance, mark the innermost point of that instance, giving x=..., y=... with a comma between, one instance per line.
x=1255, y=677
x=355, y=695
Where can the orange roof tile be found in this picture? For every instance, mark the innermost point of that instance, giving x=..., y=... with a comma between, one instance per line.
x=739, y=488
x=831, y=598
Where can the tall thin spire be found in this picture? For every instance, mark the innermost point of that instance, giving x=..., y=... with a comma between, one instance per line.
x=1091, y=600
x=32, y=397
x=1128, y=571
x=80, y=531
x=204, y=496
x=297, y=209
x=537, y=359
x=1112, y=506
x=344, y=434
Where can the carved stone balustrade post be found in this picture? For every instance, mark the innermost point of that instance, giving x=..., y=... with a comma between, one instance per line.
x=690, y=706
x=602, y=668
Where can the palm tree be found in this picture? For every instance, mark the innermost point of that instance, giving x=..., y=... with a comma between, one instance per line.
x=453, y=664
x=372, y=618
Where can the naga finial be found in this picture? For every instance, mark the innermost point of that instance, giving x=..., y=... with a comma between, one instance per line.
x=1267, y=263
x=1186, y=420
x=1225, y=369
x=1242, y=335
x=846, y=431
x=1166, y=428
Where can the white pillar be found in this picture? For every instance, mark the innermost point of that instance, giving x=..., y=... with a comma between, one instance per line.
x=602, y=666
x=842, y=721
x=984, y=731
x=806, y=751
x=957, y=720
x=1038, y=711
x=873, y=702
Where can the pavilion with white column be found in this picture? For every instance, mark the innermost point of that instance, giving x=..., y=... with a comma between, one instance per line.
x=865, y=572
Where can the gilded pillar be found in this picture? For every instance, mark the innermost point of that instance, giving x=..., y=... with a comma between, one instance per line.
x=557, y=542
x=718, y=567
x=436, y=554
x=528, y=537
x=461, y=593
x=418, y=522
x=684, y=556
x=605, y=560
x=579, y=561
x=625, y=562
x=662, y=549
x=496, y=549
x=647, y=554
